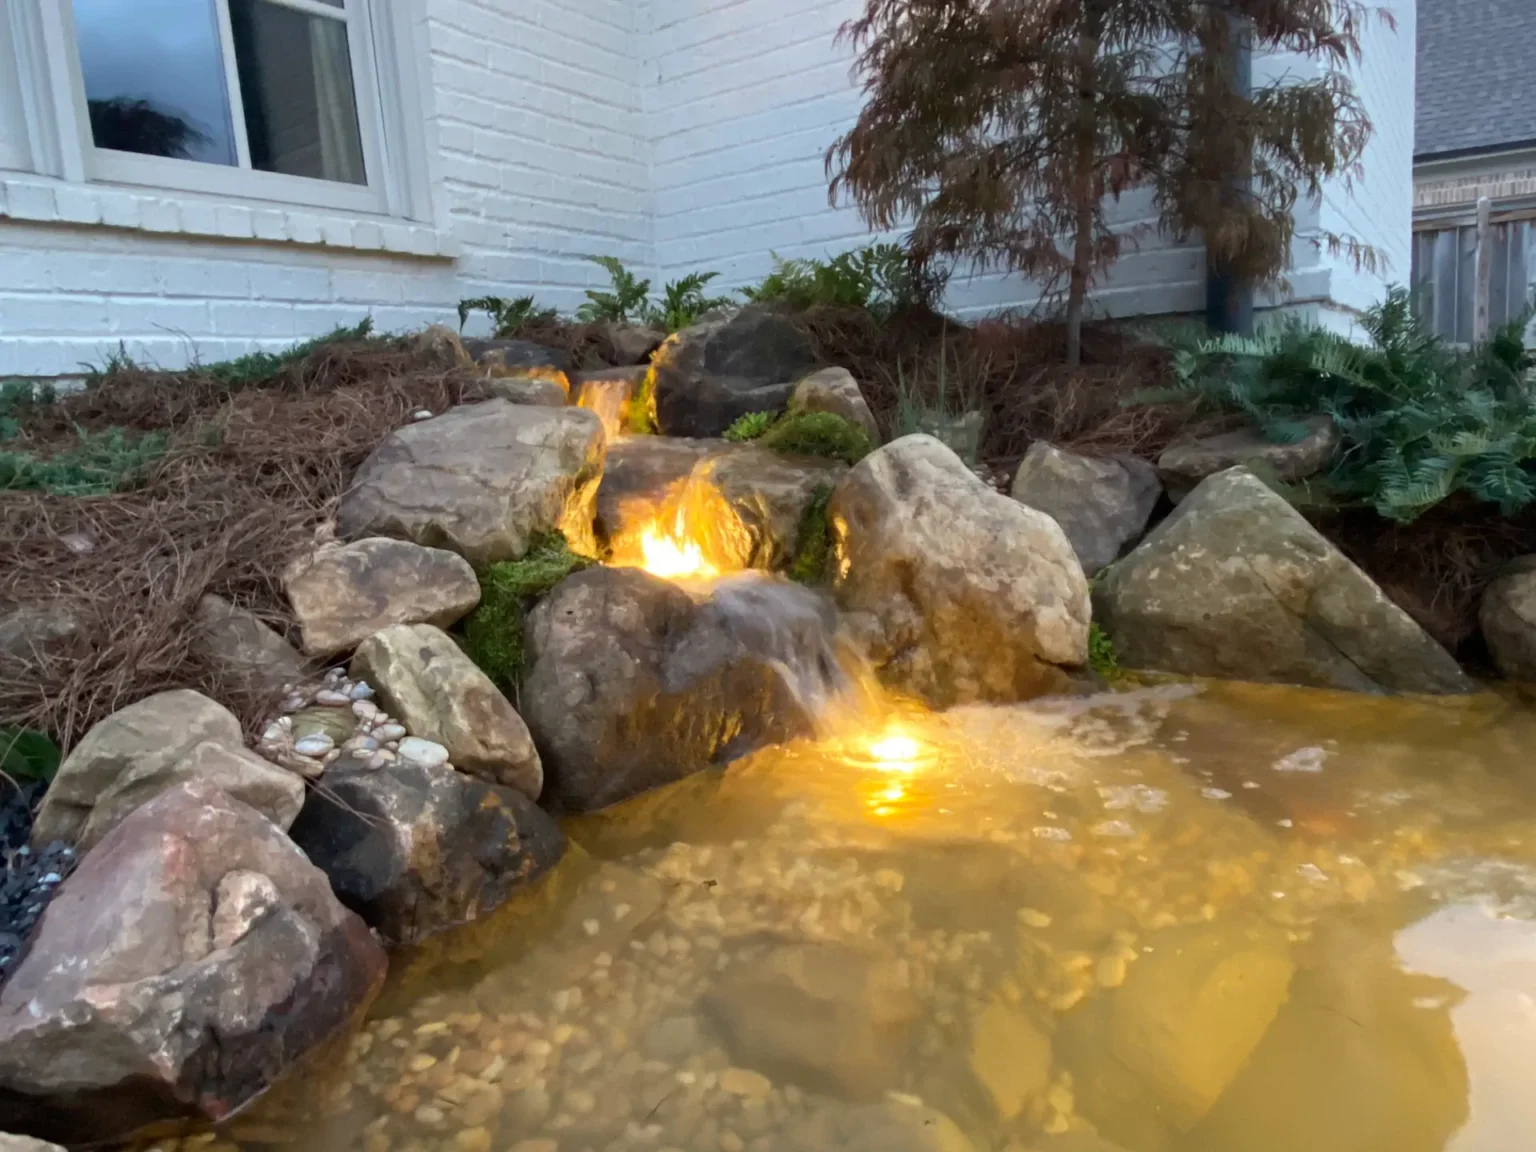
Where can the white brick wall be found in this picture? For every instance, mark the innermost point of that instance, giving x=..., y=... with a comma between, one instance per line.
x=674, y=134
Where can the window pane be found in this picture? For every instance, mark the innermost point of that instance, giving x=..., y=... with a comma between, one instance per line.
x=154, y=78
x=296, y=82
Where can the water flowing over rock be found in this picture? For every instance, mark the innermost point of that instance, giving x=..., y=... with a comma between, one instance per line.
x=1508, y=619
x=344, y=593
x=1188, y=461
x=835, y=390
x=727, y=365
x=639, y=476
x=427, y=683
x=192, y=958
x=481, y=480
x=241, y=651
x=960, y=592
x=824, y=1016
x=1237, y=584
x=415, y=850
x=147, y=748
x=608, y=393
x=631, y=684
x=1102, y=505
x=744, y=505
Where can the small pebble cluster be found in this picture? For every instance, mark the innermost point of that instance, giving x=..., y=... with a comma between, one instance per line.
x=30, y=878
x=336, y=719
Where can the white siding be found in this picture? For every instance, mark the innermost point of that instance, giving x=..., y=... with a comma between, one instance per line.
x=675, y=134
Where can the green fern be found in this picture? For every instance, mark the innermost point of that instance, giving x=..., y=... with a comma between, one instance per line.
x=627, y=302
x=1420, y=420
x=883, y=279
x=508, y=316
x=683, y=302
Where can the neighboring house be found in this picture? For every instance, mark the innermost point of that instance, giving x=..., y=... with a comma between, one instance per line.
x=1475, y=139
x=335, y=158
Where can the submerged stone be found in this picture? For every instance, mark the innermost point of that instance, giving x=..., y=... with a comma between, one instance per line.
x=1010, y=1057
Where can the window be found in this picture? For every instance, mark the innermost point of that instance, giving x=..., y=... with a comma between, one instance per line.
x=308, y=102
x=1444, y=276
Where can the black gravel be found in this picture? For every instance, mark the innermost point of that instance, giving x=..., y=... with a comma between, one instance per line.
x=30, y=878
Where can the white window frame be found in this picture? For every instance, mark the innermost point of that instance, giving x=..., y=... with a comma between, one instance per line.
x=390, y=115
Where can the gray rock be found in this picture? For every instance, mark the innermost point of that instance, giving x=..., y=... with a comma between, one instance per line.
x=510, y=356
x=1508, y=618
x=727, y=365
x=417, y=850
x=961, y=593
x=1102, y=505
x=36, y=631
x=550, y=390
x=241, y=651
x=1189, y=460
x=824, y=1016
x=148, y=748
x=631, y=685
x=1236, y=584
x=188, y=963
x=481, y=480
x=344, y=593
x=639, y=476
x=835, y=390
x=427, y=683
x=632, y=343
x=9, y=1143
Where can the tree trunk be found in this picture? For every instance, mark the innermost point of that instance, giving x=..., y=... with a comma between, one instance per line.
x=1084, y=166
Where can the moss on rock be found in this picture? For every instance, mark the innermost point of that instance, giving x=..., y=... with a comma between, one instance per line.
x=493, y=632
x=819, y=434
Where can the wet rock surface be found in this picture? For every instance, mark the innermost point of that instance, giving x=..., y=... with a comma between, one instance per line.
x=639, y=476
x=344, y=593
x=190, y=960
x=415, y=849
x=1237, y=584
x=727, y=365
x=425, y=681
x=1103, y=505
x=631, y=684
x=929, y=559
x=481, y=480
x=147, y=748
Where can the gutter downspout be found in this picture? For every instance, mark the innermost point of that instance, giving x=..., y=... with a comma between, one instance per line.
x=1229, y=300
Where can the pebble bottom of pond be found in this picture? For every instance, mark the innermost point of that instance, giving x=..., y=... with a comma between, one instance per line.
x=1219, y=918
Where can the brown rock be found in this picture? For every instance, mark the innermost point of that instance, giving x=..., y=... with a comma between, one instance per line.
x=189, y=962
x=244, y=654
x=427, y=683
x=344, y=593
x=632, y=343
x=1508, y=619
x=1189, y=460
x=640, y=474
x=1010, y=1057
x=548, y=389
x=512, y=356
x=148, y=748
x=835, y=390
x=1102, y=505
x=481, y=480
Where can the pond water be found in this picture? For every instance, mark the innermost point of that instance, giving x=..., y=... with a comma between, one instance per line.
x=1218, y=918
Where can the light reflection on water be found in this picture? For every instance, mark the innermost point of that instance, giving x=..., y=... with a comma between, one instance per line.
x=1233, y=919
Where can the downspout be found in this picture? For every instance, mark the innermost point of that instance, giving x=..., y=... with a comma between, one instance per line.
x=1228, y=299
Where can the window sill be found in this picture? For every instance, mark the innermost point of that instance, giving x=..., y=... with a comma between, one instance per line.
x=43, y=201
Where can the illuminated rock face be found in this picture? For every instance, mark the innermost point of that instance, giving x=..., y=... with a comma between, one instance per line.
x=961, y=593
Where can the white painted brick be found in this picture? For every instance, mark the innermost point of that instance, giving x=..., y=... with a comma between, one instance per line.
x=235, y=221
x=77, y=205
x=249, y=318
x=28, y=201
x=150, y=316
x=269, y=224
x=160, y=215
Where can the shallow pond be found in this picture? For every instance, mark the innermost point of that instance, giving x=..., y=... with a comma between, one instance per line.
x=1217, y=919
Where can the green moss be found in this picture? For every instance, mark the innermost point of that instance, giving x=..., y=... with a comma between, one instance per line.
x=819, y=434
x=493, y=632
x=1101, y=652
x=813, y=543
x=750, y=427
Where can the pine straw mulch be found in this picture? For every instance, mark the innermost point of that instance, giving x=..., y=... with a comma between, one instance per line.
x=251, y=475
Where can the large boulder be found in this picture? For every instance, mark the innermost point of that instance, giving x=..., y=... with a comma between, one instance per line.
x=1194, y=1008
x=1102, y=505
x=344, y=593
x=1190, y=459
x=241, y=651
x=187, y=964
x=835, y=390
x=425, y=681
x=147, y=748
x=830, y=1018
x=961, y=593
x=1508, y=618
x=481, y=480
x=727, y=365
x=632, y=684
x=1236, y=584
x=745, y=505
x=416, y=850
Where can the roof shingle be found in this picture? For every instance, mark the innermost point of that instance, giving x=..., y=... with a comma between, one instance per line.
x=1476, y=75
